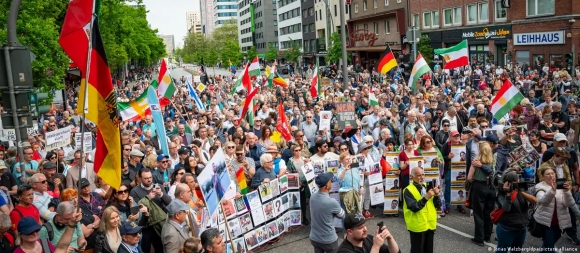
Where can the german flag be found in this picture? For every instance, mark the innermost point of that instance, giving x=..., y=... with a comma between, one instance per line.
x=101, y=103
x=387, y=61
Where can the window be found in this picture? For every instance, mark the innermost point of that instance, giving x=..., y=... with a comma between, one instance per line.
x=304, y=13
x=386, y=2
x=398, y=1
x=500, y=12
x=435, y=15
x=375, y=4
x=311, y=11
x=311, y=27
x=447, y=17
x=457, y=16
x=522, y=56
x=366, y=26
x=335, y=11
x=387, y=27
x=355, y=8
x=365, y=5
x=426, y=19
x=275, y=11
x=356, y=27
x=483, y=9
x=472, y=14
x=376, y=26
x=415, y=20
x=540, y=7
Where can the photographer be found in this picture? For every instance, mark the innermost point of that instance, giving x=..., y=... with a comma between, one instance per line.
x=511, y=228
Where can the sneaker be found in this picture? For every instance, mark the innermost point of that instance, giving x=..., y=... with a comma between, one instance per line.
x=367, y=215
x=573, y=239
x=480, y=244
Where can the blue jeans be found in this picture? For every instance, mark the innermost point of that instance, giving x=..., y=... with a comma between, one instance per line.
x=551, y=236
x=507, y=238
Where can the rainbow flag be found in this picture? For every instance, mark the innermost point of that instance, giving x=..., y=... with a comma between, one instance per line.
x=232, y=68
x=241, y=177
x=278, y=80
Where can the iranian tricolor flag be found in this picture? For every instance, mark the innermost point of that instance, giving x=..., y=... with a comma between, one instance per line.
x=455, y=56
x=373, y=101
x=165, y=86
x=419, y=69
x=254, y=67
x=505, y=100
x=135, y=110
x=315, y=88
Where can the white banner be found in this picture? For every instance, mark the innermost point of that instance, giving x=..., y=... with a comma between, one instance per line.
x=58, y=135
x=88, y=142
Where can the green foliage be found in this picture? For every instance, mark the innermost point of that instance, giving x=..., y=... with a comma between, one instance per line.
x=271, y=53
x=426, y=50
x=251, y=53
x=38, y=27
x=210, y=57
x=334, y=51
x=124, y=29
x=221, y=46
x=293, y=52
x=193, y=47
x=231, y=51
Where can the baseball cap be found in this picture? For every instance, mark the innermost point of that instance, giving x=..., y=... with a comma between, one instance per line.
x=338, y=139
x=2, y=164
x=136, y=152
x=322, y=179
x=130, y=228
x=353, y=220
x=453, y=133
x=560, y=137
x=49, y=165
x=84, y=182
x=27, y=225
x=176, y=206
x=183, y=151
x=161, y=156
x=168, y=119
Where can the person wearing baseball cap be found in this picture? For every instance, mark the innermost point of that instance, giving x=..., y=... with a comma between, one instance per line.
x=358, y=239
x=323, y=210
x=131, y=235
x=454, y=139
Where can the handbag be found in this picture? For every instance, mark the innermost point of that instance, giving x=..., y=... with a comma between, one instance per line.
x=496, y=213
x=536, y=229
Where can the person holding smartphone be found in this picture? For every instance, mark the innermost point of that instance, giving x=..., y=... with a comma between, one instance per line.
x=358, y=239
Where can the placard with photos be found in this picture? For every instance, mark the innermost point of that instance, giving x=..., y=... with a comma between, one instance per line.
x=459, y=153
x=391, y=205
x=458, y=174
x=416, y=161
x=375, y=175
x=393, y=159
x=332, y=166
x=431, y=160
x=257, y=220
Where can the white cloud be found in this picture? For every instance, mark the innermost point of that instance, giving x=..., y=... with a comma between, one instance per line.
x=168, y=16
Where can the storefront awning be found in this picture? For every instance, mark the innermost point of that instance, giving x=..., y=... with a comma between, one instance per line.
x=374, y=49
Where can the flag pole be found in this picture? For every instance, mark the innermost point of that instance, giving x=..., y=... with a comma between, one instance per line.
x=84, y=99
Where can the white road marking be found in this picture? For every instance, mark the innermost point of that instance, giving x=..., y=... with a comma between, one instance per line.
x=439, y=225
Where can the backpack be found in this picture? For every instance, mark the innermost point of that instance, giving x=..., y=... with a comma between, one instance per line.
x=49, y=231
x=45, y=246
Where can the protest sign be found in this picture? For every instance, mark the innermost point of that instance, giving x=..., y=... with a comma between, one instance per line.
x=346, y=115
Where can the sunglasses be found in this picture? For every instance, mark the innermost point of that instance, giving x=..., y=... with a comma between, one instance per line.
x=33, y=232
x=297, y=150
x=164, y=161
x=42, y=182
x=127, y=149
x=445, y=125
x=231, y=147
x=123, y=191
x=54, y=157
x=238, y=154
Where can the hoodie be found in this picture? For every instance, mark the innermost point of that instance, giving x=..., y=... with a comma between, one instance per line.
x=501, y=163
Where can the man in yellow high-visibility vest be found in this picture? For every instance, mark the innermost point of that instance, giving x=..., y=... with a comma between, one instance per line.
x=421, y=201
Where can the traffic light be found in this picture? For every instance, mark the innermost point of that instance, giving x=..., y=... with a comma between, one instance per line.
x=36, y=101
x=405, y=71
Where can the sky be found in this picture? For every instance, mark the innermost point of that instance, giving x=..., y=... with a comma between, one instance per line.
x=168, y=16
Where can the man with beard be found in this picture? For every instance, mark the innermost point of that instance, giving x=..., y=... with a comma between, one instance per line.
x=359, y=241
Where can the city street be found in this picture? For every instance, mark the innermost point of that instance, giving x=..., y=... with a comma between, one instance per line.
x=179, y=72
x=453, y=235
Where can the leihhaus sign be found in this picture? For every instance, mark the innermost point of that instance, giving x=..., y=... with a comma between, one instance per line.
x=539, y=38
x=488, y=33
x=361, y=35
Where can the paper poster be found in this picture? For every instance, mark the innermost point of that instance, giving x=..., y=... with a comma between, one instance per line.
x=283, y=183
x=235, y=229
x=430, y=160
x=459, y=154
x=458, y=174
x=332, y=166
x=391, y=205
x=376, y=176
x=416, y=162
x=392, y=185
x=293, y=181
x=241, y=207
x=274, y=186
x=254, y=199
x=308, y=171
x=265, y=192
x=346, y=115
x=318, y=166
x=313, y=187
x=269, y=212
x=294, y=198
x=246, y=223
x=377, y=194
x=393, y=159
x=325, y=117
x=458, y=196
x=295, y=217
x=258, y=216
x=214, y=181
x=239, y=245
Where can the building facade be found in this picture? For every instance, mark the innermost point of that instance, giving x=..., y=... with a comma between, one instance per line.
x=544, y=31
x=265, y=32
x=308, y=32
x=207, y=16
x=169, y=41
x=193, y=19
x=289, y=24
x=327, y=20
x=373, y=25
x=224, y=12
x=245, y=36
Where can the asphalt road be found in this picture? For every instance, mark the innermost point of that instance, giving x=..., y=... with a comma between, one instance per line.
x=453, y=235
x=179, y=72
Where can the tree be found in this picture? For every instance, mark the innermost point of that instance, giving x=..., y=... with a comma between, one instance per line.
x=426, y=50
x=293, y=52
x=334, y=52
x=271, y=53
x=231, y=51
x=251, y=53
x=210, y=57
x=193, y=47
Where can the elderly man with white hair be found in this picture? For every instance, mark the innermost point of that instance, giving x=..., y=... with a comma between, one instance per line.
x=409, y=125
x=265, y=173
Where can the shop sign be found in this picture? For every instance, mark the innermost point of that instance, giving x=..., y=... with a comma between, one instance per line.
x=539, y=38
x=488, y=33
x=361, y=35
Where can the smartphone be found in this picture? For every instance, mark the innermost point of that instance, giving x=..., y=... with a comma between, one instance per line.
x=134, y=210
x=560, y=184
x=430, y=185
x=380, y=225
x=354, y=165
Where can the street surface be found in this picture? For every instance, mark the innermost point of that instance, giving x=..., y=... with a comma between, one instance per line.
x=453, y=235
x=179, y=72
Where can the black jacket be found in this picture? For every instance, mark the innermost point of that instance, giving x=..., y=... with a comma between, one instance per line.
x=416, y=206
x=125, y=249
x=515, y=215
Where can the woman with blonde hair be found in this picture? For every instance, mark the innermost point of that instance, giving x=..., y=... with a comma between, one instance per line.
x=191, y=245
x=108, y=238
x=482, y=197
